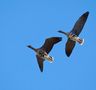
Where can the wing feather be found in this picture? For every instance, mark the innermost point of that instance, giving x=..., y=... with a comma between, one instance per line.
x=40, y=62
x=80, y=24
x=49, y=43
x=69, y=47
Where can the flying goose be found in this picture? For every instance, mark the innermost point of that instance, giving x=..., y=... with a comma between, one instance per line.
x=42, y=53
x=74, y=33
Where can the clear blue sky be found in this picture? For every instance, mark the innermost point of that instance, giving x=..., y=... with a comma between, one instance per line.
x=24, y=22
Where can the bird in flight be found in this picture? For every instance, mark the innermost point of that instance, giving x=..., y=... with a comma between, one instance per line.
x=73, y=35
x=42, y=52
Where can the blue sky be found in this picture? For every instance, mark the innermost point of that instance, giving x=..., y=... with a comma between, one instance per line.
x=24, y=22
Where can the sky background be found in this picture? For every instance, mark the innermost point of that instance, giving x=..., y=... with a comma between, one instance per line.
x=24, y=22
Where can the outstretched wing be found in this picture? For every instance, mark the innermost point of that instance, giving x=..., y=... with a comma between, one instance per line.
x=69, y=47
x=80, y=24
x=40, y=62
x=49, y=43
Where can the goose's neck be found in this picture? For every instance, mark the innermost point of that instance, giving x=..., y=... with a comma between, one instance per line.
x=29, y=46
x=63, y=32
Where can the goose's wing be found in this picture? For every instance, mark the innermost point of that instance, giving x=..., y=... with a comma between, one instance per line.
x=40, y=62
x=49, y=43
x=80, y=24
x=69, y=47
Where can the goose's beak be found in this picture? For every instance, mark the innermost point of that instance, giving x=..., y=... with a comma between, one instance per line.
x=29, y=46
x=60, y=31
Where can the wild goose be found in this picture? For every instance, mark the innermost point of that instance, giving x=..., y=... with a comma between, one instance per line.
x=42, y=53
x=74, y=33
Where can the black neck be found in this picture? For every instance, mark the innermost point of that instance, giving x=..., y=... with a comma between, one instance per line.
x=29, y=46
x=63, y=32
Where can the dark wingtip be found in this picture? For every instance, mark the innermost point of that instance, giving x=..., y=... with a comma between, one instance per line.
x=60, y=38
x=86, y=13
x=41, y=70
x=68, y=55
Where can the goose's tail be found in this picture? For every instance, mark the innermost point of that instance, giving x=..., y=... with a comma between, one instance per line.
x=80, y=41
x=49, y=58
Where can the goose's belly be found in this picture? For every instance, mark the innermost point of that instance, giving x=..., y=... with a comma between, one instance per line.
x=77, y=39
x=44, y=55
x=74, y=38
